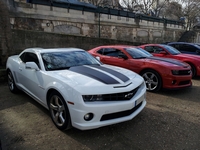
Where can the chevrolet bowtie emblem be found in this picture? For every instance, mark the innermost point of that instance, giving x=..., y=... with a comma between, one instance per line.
x=129, y=95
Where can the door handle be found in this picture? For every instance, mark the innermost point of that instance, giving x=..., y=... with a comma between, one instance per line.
x=20, y=68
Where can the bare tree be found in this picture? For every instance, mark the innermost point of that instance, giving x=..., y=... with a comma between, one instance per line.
x=159, y=7
x=99, y=2
x=190, y=10
x=174, y=11
x=149, y=7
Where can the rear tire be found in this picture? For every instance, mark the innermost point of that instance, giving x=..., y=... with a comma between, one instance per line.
x=59, y=111
x=11, y=82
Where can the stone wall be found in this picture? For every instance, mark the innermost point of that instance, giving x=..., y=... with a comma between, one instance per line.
x=23, y=39
x=34, y=25
x=82, y=23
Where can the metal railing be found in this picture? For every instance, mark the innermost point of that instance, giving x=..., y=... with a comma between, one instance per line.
x=103, y=10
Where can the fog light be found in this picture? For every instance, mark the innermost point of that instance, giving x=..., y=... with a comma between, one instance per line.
x=88, y=116
x=174, y=81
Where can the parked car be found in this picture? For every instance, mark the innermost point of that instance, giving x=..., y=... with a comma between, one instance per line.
x=197, y=44
x=157, y=72
x=167, y=51
x=78, y=90
x=184, y=47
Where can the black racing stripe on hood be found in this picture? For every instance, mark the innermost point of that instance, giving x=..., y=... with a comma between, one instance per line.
x=168, y=60
x=95, y=74
x=113, y=72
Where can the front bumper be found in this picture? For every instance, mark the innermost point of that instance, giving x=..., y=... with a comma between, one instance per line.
x=175, y=82
x=107, y=113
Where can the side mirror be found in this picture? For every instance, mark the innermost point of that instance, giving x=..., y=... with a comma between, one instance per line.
x=32, y=65
x=123, y=56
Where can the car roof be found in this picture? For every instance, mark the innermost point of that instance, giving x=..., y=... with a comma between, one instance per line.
x=151, y=44
x=116, y=46
x=44, y=50
x=181, y=43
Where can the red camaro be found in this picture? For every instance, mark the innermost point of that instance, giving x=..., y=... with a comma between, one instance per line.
x=167, y=51
x=157, y=72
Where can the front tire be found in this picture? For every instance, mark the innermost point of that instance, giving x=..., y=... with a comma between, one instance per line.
x=59, y=111
x=193, y=70
x=11, y=82
x=152, y=79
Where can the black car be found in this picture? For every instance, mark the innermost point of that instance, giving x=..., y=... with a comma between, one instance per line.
x=184, y=47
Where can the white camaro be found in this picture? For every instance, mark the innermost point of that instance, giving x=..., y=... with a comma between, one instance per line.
x=78, y=90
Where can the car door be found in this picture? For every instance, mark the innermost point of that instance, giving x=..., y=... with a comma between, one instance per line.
x=30, y=79
x=116, y=57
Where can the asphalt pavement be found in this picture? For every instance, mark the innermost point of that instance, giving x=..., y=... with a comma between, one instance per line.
x=170, y=121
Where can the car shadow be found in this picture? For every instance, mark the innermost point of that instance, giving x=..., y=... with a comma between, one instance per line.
x=187, y=94
x=155, y=127
x=9, y=99
x=148, y=130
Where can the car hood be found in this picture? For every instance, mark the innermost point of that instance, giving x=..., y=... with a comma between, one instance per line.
x=167, y=61
x=90, y=75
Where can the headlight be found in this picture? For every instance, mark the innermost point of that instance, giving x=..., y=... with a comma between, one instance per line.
x=90, y=98
x=175, y=72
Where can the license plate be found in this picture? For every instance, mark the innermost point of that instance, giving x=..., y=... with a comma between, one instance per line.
x=139, y=101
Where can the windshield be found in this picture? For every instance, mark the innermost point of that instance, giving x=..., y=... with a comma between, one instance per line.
x=171, y=50
x=65, y=60
x=138, y=53
x=197, y=45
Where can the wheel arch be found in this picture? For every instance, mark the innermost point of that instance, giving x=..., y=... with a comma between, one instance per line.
x=49, y=93
x=150, y=69
x=192, y=67
x=68, y=124
x=153, y=70
x=7, y=69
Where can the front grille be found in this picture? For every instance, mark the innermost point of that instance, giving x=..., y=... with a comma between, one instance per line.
x=184, y=82
x=184, y=72
x=120, y=114
x=120, y=96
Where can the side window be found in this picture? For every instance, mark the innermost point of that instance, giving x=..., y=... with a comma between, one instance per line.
x=189, y=48
x=31, y=57
x=22, y=57
x=112, y=52
x=157, y=49
x=149, y=49
x=178, y=47
x=101, y=51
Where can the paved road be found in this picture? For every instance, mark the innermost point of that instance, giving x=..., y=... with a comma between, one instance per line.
x=170, y=121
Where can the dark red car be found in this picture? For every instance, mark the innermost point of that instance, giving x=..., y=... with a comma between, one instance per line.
x=157, y=72
x=167, y=51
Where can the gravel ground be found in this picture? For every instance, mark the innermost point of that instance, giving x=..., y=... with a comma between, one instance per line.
x=170, y=121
